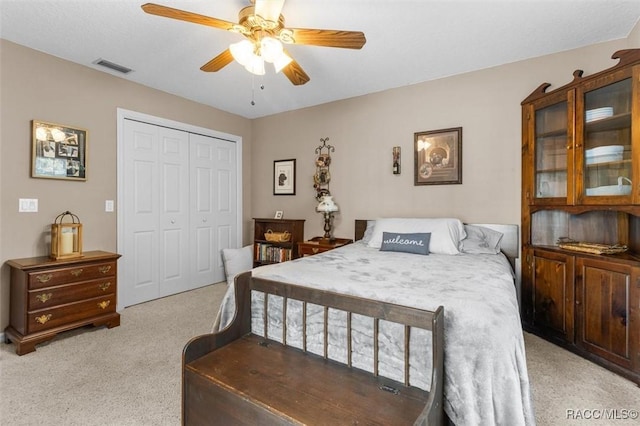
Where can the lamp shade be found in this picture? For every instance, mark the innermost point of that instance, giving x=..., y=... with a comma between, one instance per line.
x=327, y=205
x=242, y=51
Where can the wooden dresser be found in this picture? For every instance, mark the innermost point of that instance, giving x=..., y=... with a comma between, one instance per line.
x=51, y=296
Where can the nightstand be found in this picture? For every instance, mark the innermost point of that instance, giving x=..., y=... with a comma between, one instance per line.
x=319, y=245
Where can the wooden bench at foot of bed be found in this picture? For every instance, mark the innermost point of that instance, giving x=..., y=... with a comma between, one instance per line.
x=236, y=377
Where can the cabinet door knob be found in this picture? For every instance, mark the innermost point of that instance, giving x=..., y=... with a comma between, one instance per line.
x=76, y=272
x=104, y=286
x=104, y=304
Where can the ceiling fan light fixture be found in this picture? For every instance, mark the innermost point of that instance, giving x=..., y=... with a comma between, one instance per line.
x=270, y=49
x=242, y=52
x=255, y=65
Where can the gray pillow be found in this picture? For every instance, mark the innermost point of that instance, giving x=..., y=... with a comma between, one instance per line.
x=480, y=240
x=417, y=243
x=237, y=261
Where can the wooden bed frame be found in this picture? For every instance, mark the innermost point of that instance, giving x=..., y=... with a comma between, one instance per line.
x=236, y=377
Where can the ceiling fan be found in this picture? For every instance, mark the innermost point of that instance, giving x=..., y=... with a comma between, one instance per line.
x=263, y=27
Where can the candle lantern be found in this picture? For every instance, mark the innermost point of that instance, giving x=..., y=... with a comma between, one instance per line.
x=66, y=238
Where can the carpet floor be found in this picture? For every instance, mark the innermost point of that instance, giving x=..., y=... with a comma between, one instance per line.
x=130, y=375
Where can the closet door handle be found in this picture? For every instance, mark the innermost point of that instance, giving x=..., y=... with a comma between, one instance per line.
x=173, y=221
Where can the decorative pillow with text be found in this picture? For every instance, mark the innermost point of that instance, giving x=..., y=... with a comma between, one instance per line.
x=416, y=243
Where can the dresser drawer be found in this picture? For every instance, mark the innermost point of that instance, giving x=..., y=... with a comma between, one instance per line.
x=59, y=295
x=64, y=314
x=76, y=273
x=311, y=249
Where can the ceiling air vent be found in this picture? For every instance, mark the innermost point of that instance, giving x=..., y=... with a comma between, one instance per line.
x=112, y=66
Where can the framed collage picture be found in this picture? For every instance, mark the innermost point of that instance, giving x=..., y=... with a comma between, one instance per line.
x=58, y=151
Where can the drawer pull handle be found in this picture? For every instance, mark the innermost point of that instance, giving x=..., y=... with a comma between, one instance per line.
x=105, y=286
x=104, y=269
x=315, y=250
x=43, y=318
x=44, y=278
x=44, y=297
x=104, y=304
x=76, y=272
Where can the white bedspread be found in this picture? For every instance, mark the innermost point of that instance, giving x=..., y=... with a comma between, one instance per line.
x=486, y=380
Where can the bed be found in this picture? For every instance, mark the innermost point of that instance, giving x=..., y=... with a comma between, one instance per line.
x=468, y=269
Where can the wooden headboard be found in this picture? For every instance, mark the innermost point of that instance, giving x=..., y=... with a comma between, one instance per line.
x=510, y=243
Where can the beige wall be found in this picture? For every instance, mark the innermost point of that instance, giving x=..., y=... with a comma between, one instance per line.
x=38, y=86
x=486, y=104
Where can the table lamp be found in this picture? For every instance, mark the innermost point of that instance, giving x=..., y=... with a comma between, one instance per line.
x=327, y=207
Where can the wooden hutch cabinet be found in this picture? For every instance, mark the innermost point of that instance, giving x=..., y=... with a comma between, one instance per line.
x=581, y=182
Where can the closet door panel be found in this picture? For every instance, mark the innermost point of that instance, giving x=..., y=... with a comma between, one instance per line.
x=174, y=211
x=226, y=196
x=204, y=247
x=141, y=210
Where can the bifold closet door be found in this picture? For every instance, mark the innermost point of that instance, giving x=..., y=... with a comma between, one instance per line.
x=156, y=217
x=213, y=206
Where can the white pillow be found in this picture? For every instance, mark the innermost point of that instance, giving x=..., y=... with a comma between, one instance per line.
x=446, y=233
x=368, y=232
x=237, y=261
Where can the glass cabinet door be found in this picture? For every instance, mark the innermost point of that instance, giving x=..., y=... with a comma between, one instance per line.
x=550, y=174
x=606, y=155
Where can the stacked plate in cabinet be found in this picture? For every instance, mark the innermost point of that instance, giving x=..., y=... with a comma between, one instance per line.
x=598, y=114
x=604, y=154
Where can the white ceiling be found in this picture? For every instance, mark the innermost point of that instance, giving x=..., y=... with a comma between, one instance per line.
x=408, y=41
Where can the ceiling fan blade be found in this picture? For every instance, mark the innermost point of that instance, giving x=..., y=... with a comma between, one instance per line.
x=169, y=12
x=328, y=38
x=295, y=73
x=219, y=62
x=269, y=9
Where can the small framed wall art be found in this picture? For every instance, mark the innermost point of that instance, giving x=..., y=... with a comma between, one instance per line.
x=58, y=151
x=438, y=157
x=284, y=177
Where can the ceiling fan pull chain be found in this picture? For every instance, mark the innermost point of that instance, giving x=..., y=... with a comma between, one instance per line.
x=253, y=80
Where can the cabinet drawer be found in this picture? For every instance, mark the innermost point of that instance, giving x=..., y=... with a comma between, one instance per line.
x=76, y=273
x=53, y=296
x=311, y=249
x=65, y=314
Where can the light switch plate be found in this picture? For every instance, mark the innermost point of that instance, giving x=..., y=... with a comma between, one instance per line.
x=28, y=205
x=108, y=205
